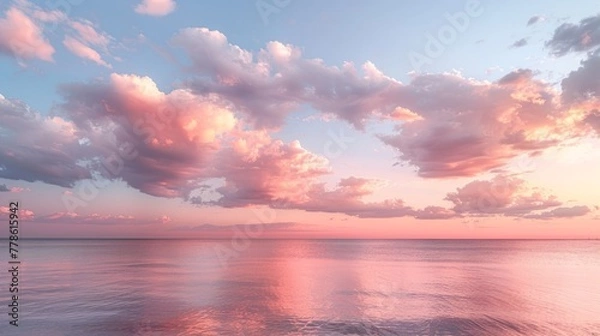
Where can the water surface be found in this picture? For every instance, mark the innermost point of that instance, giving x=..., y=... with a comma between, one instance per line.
x=308, y=287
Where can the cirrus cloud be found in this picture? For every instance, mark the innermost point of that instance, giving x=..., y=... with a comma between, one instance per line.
x=81, y=50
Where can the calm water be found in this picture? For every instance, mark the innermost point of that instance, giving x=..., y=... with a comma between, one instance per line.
x=308, y=288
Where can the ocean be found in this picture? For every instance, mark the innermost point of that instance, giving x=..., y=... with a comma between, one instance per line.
x=306, y=287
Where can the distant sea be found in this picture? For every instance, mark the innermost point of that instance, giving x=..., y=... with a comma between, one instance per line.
x=306, y=287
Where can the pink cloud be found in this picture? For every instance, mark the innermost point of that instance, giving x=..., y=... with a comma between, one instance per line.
x=448, y=125
x=470, y=127
x=22, y=34
x=83, y=51
x=593, y=120
x=260, y=170
x=215, y=126
x=170, y=137
x=96, y=219
x=270, y=84
x=502, y=195
x=89, y=34
x=347, y=198
x=164, y=219
x=51, y=140
x=22, y=213
x=174, y=154
x=155, y=7
x=435, y=212
x=15, y=189
x=563, y=212
x=23, y=38
x=61, y=215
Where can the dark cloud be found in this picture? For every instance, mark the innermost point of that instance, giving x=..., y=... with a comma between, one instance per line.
x=593, y=120
x=519, y=43
x=584, y=83
x=570, y=37
x=534, y=19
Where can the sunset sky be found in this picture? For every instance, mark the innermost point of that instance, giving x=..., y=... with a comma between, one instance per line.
x=301, y=119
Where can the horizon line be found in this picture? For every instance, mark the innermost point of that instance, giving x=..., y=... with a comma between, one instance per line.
x=207, y=239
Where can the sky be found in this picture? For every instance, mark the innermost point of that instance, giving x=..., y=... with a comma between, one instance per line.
x=301, y=119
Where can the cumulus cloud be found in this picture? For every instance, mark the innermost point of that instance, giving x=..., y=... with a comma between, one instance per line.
x=347, y=198
x=570, y=37
x=169, y=136
x=435, y=212
x=21, y=37
x=583, y=84
x=217, y=126
x=172, y=154
x=272, y=83
x=593, y=120
x=470, y=127
x=581, y=92
x=155, y=7
x=47, y=152
x=260, y=170
x=502, y=195
x=447, y=125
